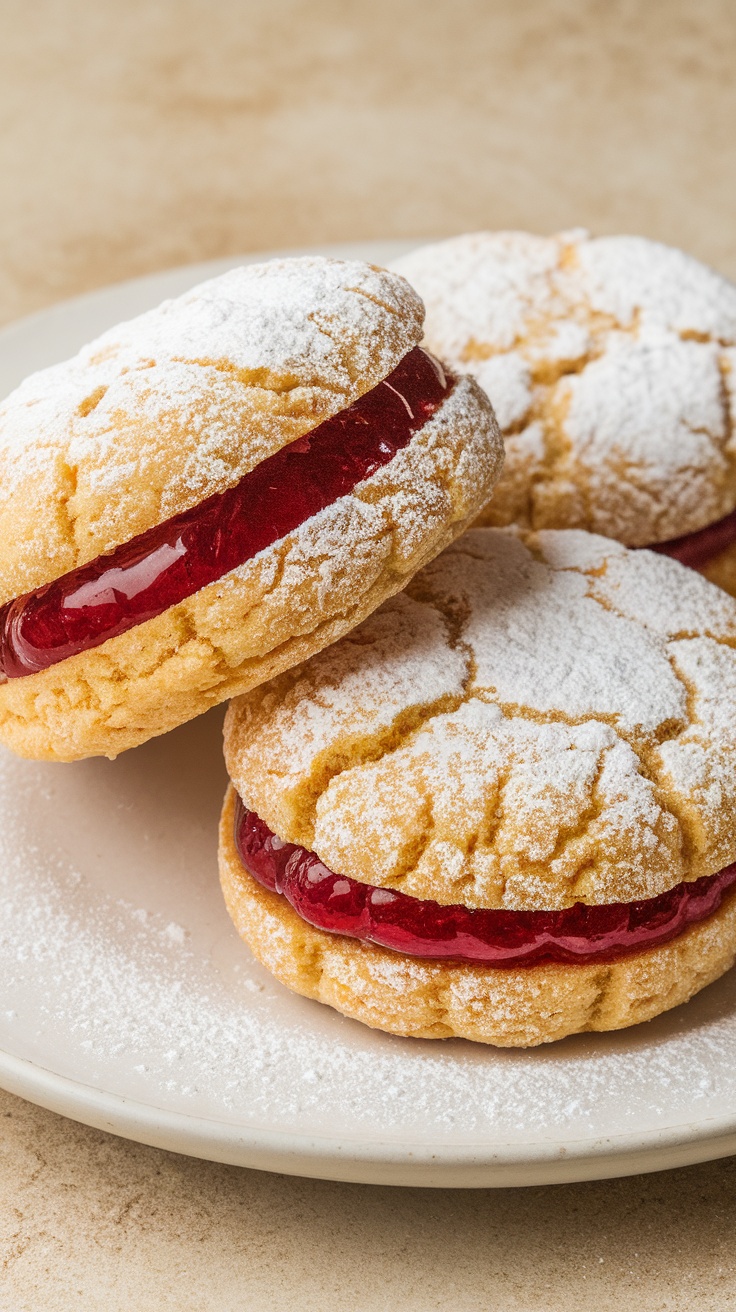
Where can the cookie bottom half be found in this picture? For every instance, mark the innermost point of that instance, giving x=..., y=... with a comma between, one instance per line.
x=192, y=657
x=511, y=1008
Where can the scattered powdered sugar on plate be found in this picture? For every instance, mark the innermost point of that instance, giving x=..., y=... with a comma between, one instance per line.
x=121, y=971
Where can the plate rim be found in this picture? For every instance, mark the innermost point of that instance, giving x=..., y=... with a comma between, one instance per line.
x=368, y=1160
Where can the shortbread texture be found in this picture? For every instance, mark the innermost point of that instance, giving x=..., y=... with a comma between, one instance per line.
x=179, y=404
x=161, y=412
x=289, y=601
x=538, y=720
x=610, y=362
x=512, y=1008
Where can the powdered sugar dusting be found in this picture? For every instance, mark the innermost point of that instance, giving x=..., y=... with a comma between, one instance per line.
x=615, y=350
x=398, y=516
x=318, y=716
x=633, y=277
x=579, y=746
x=181, y=402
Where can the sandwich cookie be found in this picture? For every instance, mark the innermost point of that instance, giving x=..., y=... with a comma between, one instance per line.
x=217, y=489
x=503, y=808
x=611, y=365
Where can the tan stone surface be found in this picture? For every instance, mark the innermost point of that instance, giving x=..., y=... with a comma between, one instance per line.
x=93, y=1223
x=142, y=135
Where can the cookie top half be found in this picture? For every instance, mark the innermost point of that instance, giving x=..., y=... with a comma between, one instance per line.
x=538, y=720
x=180, y=403
x=610, y=363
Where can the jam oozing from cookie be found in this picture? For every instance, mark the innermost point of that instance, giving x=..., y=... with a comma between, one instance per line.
x=698, y=549
x=417, y=928
x=170, y=562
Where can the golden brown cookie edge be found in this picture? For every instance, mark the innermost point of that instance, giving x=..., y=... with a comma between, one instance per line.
x=416, y=998
x=237, y=633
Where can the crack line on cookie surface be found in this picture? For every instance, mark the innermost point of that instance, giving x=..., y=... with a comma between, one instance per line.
x=405, y=726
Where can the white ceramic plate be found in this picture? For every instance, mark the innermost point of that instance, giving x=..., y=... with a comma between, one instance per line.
x=128, y=1002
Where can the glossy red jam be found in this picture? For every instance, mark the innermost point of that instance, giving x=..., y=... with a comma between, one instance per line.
x=417, y=928
x=698, y=549
x=161, y=567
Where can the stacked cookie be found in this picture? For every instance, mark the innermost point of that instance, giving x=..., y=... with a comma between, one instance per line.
x=482, y=781
x=503, y=807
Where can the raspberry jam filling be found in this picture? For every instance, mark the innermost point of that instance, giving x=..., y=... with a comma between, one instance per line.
x=699, y=548
x=417, y=928
x=170, y=562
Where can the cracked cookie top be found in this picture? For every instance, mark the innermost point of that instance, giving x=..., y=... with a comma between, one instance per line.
x=611, y=367
x=540, y=719
x=163, y=411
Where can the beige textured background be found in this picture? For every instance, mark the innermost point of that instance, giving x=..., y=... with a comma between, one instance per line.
x=155, y=132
